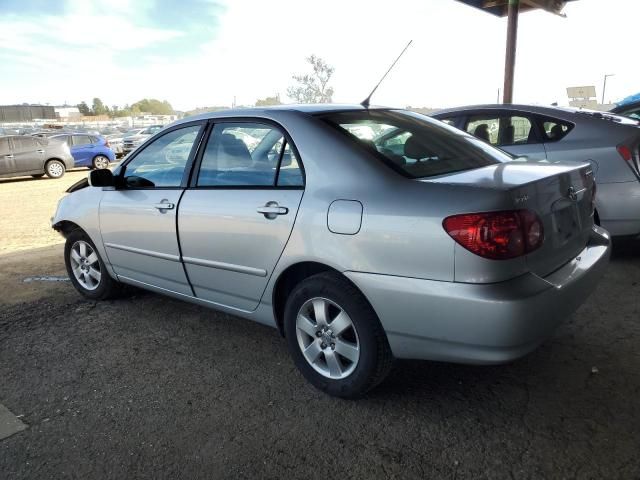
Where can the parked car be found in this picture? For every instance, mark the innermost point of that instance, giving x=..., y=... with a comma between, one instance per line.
x=446, y=251
x=116, y=142
x=630, y=109
x=27, y=155
x=88, y=150
x=131, y=142
x=548, y=134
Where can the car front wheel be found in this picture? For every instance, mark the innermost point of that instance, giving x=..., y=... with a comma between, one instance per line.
x=54, y=169
x=86, y=269
x=335, y=337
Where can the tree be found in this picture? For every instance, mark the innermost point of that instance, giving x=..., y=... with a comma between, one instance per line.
x=313, y=87
x=267, y=101
x=84, y=109
x=98, y=107
x=153, y=106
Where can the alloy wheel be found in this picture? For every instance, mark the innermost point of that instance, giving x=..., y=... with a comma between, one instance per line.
x=55, y=169
x=327, y=338
x=101, y=162
x=85, y=265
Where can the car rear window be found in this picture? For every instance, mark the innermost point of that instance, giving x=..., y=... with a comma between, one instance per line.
x=414, y=145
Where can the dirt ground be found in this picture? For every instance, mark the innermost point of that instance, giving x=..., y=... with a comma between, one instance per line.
x=26, y=207
x=149, y=387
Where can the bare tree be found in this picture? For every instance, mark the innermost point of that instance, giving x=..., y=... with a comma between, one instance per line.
x=313, y=87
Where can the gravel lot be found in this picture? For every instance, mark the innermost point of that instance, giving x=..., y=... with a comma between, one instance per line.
x=149, y=387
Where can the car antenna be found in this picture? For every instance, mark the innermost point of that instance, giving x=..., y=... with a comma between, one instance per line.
x=365, y=102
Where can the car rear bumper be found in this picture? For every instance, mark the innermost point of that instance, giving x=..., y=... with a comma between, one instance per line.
x=482, y=323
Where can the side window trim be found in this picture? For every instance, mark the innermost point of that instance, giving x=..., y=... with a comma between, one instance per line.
x=188, y=169
x=193, y=180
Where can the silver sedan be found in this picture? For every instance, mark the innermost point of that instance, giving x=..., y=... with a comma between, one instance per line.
x=611, y=143
x=433, y=246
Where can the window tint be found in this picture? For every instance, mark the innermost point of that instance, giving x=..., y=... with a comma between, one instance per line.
x=24, y=144
x=81, y=139
x=501, y=131
x=422, y=147
x=449, y=121
x=162, y=163
x=632, y=112
x=241, y=154
x=554, y=130
x=290, y=174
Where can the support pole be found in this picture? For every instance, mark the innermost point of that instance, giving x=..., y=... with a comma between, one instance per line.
x=510, y=57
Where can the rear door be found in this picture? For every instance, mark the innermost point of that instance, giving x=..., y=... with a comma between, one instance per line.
x=82, y=149
x=138, y=220
x=28, y=154
x=513, y=132
x=235, y=219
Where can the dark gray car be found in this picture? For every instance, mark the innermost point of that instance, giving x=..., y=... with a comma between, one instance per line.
x=611, y=143
x=27, y=155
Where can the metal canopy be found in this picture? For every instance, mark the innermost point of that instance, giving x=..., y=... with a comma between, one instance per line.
x=500, y=8
x=512, y=9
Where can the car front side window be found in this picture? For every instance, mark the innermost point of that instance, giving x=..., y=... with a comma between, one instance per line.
x=248, y=155
x=162, y=163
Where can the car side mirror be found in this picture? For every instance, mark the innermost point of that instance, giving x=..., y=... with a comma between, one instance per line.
x=101, y=178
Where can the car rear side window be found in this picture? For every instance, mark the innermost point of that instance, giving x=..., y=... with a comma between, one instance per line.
x=81, y=139
x=414, y=145
x=554, y=130
x=502, y=130
x=248, y=155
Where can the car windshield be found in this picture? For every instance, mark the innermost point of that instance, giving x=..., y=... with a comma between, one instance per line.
x=414, y=145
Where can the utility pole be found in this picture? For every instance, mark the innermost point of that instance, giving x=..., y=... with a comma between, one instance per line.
x=510, y=57
x=604, y=87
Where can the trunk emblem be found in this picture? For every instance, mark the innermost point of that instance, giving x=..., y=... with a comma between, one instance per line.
x=571, y=193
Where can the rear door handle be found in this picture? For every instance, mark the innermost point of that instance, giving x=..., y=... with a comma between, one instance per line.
x=40, y=151
x=8, y=156
x=164, y=206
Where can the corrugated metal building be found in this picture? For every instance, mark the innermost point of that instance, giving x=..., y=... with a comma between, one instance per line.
x=26, y=113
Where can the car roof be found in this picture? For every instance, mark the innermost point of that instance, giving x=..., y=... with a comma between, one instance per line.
x=308, y=108
x=550, y=110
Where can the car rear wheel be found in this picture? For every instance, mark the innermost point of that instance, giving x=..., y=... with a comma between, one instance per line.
x=54, y=169
x=86, y=269
x=335, y=337
x=100, y=162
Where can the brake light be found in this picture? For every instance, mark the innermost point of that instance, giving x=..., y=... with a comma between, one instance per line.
x=625, y=152
x=497, y=235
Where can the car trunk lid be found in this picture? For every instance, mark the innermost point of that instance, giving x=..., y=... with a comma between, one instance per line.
x=560, y=194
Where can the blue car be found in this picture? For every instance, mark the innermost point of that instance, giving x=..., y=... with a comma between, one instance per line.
x=87, y=150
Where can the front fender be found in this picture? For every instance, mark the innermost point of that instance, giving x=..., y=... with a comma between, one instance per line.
x=81, y=208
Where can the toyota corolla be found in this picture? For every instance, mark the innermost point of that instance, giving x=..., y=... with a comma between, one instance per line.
x=437, y=247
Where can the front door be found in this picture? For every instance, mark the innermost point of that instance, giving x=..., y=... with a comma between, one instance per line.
x=236, y=218
x=138, y=220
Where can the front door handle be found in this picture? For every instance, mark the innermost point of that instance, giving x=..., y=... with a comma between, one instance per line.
x=164, y=206
x=271, y=210
x=8, y=156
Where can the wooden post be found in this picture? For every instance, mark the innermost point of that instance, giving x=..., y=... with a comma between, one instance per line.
x=510, y=57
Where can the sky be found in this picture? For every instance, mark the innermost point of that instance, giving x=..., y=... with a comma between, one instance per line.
x=197, y=53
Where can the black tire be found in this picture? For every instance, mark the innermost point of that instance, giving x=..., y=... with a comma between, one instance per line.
x=38, y=175
x=55, y=169
x=107, y=287
x=99, y=162
x=375, y=358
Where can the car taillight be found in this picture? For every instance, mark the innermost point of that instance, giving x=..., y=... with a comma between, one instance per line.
x=625, y=152
x=497, y=235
